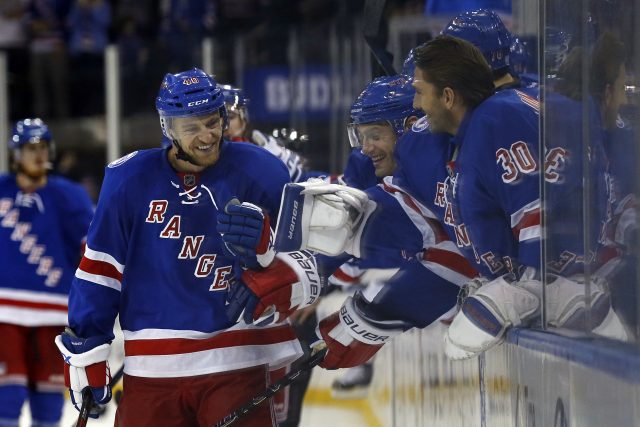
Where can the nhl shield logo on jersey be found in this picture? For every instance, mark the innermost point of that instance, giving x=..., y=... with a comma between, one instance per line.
x=189, y=180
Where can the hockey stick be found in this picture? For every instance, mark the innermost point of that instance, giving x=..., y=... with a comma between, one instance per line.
x=272, y=389
x=87, y=399
x=373, y=10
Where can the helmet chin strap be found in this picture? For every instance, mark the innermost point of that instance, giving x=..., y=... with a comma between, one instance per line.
x=181, y=154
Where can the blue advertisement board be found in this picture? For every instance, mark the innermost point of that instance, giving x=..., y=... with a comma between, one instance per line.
x=274, y=94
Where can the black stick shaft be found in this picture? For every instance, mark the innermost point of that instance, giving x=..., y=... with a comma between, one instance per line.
x=272, y=389
x=87, y=399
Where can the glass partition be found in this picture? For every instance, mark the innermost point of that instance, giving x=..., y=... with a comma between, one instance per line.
x=589, y=60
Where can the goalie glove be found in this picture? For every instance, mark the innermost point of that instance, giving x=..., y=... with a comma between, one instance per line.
x=246, y=232
x=85, y=366
x=271, y=295
x=352, y=334
x=326, y=218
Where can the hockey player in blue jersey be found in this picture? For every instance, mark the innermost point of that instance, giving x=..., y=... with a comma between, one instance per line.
x=189, y=292
x=420, y=185
x=44, y=220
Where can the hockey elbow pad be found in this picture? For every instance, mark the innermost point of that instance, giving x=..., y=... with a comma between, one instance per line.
x=272, y=294
x=353, y=336
x=326, y=218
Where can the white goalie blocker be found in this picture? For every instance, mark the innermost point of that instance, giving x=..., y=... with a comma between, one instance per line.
x=322, y=217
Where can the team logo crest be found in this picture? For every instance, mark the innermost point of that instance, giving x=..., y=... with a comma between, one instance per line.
x=189, y=180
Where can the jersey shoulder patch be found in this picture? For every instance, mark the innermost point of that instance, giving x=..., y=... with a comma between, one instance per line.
x=121, y=160
x=421, y=124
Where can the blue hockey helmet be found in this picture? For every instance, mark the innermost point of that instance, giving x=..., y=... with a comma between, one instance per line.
x=31, y=131
x=385, y=99
x=235, y=101
x=188, y=94
x=485, y=30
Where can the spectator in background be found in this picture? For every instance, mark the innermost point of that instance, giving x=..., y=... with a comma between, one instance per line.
x=183, y=25
x=48, y=56
x=88, y=25
x=13, y=41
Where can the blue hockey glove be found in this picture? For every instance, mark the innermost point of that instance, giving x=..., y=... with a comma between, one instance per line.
x=246, y=233
x=86, y=366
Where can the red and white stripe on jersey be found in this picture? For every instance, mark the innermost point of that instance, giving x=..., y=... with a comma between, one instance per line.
x=525, y=222
x=346, y=275
x=178, y=353
x=421, y=216
x=445, y=260
x=529, y=100
x=440, y=255
x=100, y=268
x=29, y=308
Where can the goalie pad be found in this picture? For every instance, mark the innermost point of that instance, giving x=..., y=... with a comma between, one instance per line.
x=352, y=336
x=326, y=218
x=270, y=295
x=502, y=303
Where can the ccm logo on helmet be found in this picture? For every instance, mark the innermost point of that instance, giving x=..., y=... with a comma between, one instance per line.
x=194, y=103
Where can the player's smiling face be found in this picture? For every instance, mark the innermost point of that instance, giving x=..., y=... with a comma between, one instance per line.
x=432, y=101
x=34, y=159
x=378, y=140
x=200, y=137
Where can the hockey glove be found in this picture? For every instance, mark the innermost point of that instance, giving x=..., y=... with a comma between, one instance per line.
x=353, y=336
x=327, y=218
x=246, y=233
x=85, y=366
x=272, y=294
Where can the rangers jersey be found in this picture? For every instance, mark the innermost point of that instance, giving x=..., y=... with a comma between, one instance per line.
x=154, y=257
x=42, y=234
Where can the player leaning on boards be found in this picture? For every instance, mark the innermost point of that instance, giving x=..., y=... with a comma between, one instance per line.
x=186, y=294
x=44, y=221
x=454, y=87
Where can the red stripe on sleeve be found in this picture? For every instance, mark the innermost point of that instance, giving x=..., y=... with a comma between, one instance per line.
x=529, y=219
x=100, y=268
x=450, y=260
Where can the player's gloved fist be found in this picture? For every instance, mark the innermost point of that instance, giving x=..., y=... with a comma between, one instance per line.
x=272, y=294
x=353, y=336
x=85, y=367
x=327, y=218
x=246, y=233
